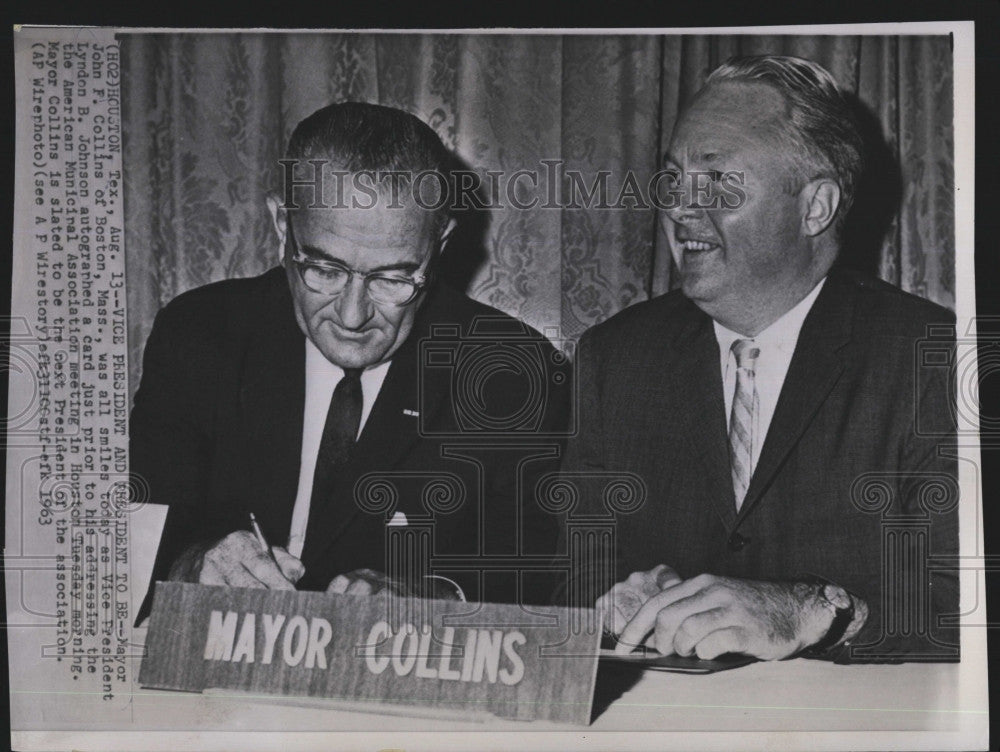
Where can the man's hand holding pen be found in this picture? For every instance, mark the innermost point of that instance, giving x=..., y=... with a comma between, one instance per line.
x=241, y=559
x=244, y=558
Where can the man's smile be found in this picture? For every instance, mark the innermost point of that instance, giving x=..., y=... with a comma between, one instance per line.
x=698, y=246
x=691, y=245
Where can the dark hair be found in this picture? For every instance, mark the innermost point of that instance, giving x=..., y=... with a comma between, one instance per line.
x=358, y=136
x=821, y=122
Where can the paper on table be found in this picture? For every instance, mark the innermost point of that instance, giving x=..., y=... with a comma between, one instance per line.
x=678, y=663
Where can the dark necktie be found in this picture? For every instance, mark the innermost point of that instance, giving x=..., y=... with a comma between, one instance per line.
x=339, y=434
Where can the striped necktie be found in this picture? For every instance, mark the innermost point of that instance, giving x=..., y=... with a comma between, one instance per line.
x=742, y=418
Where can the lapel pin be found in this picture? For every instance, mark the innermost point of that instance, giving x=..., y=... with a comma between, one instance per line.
x=411, y=413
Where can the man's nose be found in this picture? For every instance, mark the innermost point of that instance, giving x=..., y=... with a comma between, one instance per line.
x=685, y=211
x=354, y=306
x=680, y=205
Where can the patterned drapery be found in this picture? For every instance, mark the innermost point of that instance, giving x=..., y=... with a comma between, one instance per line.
x=207, y=115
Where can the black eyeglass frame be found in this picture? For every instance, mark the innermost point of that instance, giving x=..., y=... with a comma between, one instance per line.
x=418, y=282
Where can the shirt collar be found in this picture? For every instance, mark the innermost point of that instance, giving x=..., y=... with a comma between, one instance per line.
x=782, y=334
x=317, y=364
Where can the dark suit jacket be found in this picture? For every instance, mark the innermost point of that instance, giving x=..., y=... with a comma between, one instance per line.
x=850, y=476
x=216, y=432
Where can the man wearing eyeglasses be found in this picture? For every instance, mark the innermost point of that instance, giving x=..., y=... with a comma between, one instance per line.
x=287, y=396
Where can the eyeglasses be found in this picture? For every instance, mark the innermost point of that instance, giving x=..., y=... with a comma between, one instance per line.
x=331, y=278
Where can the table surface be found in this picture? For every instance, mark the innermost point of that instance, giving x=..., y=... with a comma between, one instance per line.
x=865, y=706
x=803, y=695
x=798, y=695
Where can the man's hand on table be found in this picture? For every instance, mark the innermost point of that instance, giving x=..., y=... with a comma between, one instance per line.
x=707, y=616
x=623, y=601
x=238, y=561
x=370, y=582
x=364, y=582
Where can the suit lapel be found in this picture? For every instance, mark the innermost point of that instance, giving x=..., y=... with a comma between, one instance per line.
x=272, y=401
x=696, y=406
x=815, y=368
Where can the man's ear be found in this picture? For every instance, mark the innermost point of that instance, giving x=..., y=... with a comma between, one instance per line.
x=821, y=198
x=279, y=218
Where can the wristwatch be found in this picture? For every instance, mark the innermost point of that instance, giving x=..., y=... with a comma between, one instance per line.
x=841, y=604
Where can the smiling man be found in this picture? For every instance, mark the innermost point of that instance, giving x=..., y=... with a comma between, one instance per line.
x=302, y=396
x=771, y=407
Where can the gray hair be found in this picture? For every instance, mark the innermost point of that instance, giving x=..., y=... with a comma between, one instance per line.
x=821, y=124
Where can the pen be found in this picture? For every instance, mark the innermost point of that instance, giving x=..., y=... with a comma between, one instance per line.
x=265, y=546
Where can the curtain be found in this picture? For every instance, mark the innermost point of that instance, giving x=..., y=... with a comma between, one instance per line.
x=207, y=117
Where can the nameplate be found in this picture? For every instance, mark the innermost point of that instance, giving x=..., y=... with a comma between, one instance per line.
x=522, y=663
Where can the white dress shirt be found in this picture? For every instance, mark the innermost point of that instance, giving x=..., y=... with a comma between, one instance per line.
x=777, y=345
x=322, y=378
